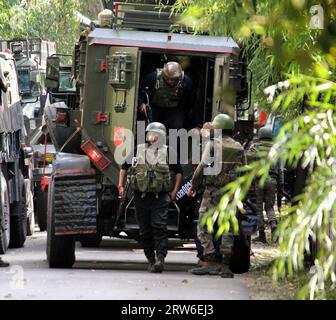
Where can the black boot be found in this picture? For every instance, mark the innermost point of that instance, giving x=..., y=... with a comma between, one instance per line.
x=159, y=265
x=151, y=262
x=3, y=264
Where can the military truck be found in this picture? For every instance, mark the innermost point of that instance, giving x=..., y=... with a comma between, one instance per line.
x=44, y=150
x=31, y=59
x=83, y=202
x=16, y=201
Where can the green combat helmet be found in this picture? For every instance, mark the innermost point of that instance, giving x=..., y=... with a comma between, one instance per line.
x=265, y=133
x=157, y=127
x=224, y=122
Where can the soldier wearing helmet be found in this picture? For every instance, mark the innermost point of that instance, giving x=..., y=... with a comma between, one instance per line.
x=230, y=156
x=154, y=188
x=265, y=196
x=170, y=94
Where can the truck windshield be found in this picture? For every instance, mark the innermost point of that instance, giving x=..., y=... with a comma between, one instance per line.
x=24, y=81
x=66, y=83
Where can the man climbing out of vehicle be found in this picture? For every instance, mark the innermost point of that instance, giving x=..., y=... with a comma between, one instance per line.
x=153, y=188
x=171, y=96
x=230, y=155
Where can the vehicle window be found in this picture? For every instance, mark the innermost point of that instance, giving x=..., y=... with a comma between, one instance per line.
x=66, y=83
x=24, y=81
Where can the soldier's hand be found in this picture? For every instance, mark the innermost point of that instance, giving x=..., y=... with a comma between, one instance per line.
x=143, y=109
x=173, y=195
x=121, y=191
x=191, y=193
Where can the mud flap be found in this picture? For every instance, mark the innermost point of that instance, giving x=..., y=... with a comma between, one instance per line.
x=75, y=204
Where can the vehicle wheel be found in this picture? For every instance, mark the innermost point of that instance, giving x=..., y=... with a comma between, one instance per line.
x=91, y=241
x=30, y=209
x=241, y=254
x=4, y=215
x=41, y=206
x=60, y=249
x=18, y=226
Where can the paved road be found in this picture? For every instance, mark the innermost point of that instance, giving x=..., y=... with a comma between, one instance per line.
x=116, y=270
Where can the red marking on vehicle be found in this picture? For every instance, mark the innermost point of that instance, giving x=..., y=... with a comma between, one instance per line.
x=101, y=118
x=45, y=181
x=119, y=136
x=263, y=118
x=103, y=65
x=61, y=117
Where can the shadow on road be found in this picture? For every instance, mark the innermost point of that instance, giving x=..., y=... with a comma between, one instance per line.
x=129, y=265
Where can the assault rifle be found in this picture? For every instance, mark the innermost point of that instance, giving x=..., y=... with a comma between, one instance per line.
x=123, y=202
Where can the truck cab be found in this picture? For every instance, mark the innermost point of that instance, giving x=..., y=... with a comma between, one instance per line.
x=110, y=66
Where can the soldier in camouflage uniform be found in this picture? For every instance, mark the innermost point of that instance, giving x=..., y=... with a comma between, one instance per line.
x=231, y=156
x=207, y=132
x=265, y=196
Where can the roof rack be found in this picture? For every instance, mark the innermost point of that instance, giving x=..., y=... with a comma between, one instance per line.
x=143, y=16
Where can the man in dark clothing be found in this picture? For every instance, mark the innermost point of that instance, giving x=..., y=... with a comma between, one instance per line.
x=153, y=191
x=169, y=95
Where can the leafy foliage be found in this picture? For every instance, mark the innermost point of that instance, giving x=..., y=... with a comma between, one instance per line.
x=295, y=66
x=52, y=20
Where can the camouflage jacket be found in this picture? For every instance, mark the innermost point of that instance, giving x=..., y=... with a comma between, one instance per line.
x=264, y=146
x=219, y=163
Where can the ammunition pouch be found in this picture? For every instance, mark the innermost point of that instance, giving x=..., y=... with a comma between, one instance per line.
x=151, y=179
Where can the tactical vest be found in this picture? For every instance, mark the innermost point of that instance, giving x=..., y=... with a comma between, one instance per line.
x=151, y=173
x=165, y=96
x=232, y=158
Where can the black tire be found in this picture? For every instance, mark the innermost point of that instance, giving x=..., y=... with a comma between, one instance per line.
x=241, y=255
x=4, y=215
x=60, y=249
x=91, y=241
x=30, y=208
x=41, y=207
x=18, y=227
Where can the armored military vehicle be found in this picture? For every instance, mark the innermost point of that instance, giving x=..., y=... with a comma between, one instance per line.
x=83, y=202
x=31, y=59
x=44, y=150
x=16, y=201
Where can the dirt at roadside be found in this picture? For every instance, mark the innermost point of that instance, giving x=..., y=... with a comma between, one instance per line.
x=259, y=278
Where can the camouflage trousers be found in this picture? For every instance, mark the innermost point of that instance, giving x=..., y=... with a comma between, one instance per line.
x=265, y=197
x=205, y=237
